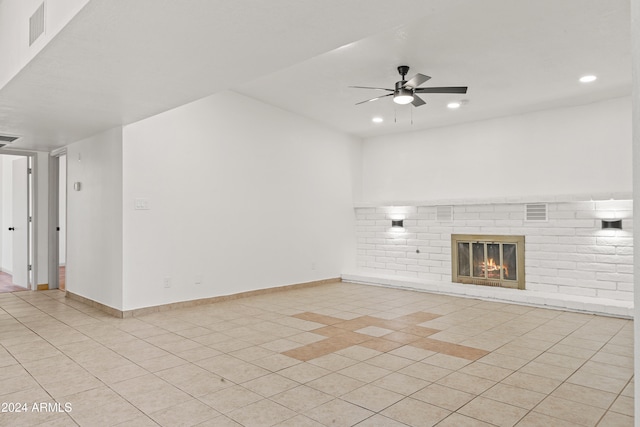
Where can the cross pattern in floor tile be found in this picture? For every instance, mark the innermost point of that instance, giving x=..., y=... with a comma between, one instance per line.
x=379, y=334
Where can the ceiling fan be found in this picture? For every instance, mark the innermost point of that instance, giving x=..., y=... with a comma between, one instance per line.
x=406, y=91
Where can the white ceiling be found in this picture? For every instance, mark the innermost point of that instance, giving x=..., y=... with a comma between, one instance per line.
x=120, y=61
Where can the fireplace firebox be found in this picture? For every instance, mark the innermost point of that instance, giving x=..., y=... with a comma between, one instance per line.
x=488, y=260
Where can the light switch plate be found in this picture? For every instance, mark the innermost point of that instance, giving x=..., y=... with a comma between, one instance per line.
x=141, y=204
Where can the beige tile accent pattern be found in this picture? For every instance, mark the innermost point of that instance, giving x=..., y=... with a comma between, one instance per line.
x=332, y=354
x=379, y=334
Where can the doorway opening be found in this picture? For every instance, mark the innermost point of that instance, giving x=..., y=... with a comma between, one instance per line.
x=62, y=221
x=16, y=220
x=58, y=219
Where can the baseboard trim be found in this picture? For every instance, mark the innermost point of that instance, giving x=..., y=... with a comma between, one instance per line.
x=95, y=304
x=43, y=287
x=193, y=303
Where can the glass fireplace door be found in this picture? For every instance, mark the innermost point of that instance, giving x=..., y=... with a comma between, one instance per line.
x=495, y=262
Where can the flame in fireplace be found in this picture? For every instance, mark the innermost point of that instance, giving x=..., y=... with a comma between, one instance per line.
x=491, y=266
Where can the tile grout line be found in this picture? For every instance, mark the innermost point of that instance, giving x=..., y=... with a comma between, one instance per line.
x=565, y=381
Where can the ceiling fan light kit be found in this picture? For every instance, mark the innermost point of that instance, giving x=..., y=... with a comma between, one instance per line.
x=402, y=95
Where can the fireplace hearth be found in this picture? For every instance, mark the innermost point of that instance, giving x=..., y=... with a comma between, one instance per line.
x=488, y=260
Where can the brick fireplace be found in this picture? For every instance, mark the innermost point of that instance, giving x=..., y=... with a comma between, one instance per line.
x=570, y=260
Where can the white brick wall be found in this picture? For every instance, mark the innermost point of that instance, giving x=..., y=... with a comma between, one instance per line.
x=568, y=254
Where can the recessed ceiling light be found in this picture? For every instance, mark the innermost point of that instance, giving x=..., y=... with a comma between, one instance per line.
x=377, y=120
x=454, y=105
x=588, y=79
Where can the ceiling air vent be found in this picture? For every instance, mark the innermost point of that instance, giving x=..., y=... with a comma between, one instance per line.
x=7, y=139
x=36, y=24
x=535, y=212
x=444, y=213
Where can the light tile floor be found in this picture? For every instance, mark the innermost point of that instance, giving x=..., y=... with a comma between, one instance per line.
x=332, y=355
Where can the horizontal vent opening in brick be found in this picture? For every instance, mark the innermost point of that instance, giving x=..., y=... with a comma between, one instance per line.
x=444, y=213
x=535, y=212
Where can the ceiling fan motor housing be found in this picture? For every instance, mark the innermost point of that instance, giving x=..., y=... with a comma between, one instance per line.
x=401, y=90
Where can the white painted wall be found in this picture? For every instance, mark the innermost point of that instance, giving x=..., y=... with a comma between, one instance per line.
x=579, y=150
x=94, y=215
x=14, y=30
x=242, y=195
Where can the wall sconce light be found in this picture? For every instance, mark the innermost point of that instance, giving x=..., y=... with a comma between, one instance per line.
x=397, y=223
x=612, y=223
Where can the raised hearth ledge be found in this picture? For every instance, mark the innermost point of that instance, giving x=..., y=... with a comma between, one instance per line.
x=590, y=305
x=562, y=198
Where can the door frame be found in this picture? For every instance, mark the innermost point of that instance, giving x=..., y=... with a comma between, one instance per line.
x=32, y=200
x=54, y=217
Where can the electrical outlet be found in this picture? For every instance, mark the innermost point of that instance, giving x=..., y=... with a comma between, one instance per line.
x=313, y=265
x=167, y=282
x=198, y=279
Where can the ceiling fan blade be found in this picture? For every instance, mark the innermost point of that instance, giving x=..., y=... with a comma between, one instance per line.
x=416, y=80
x=449, y=89
x=417, y=101
x=367, y=87
x=374, y=99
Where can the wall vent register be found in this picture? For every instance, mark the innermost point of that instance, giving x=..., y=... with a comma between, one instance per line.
x=444, y=213
x=36, y=24
x=535, y=212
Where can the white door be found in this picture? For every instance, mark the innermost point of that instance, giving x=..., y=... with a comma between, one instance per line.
x=20, y=225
